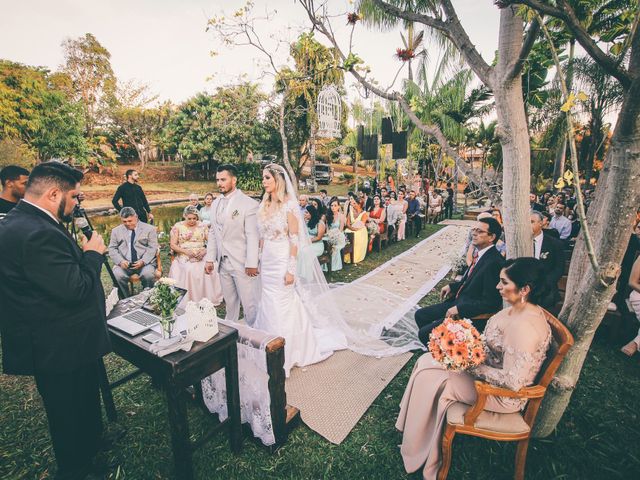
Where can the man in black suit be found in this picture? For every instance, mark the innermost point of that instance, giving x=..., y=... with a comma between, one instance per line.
x=132, y=195
x=548, y=250
x=476, y=292
x=52, y=313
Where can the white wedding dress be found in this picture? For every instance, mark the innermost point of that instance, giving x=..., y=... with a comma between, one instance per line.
x=291, y=311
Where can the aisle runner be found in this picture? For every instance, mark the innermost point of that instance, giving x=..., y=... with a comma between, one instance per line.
x=333, y=395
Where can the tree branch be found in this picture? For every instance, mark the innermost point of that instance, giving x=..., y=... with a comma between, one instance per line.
x=529, y=41
x=565, y=13
x=452, y=29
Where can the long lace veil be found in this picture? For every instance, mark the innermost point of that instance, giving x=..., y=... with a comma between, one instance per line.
x=359, y=312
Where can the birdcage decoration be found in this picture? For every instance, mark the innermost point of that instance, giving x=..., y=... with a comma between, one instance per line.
x=329, y=112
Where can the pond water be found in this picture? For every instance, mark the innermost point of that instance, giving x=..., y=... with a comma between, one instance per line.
x=164, y=217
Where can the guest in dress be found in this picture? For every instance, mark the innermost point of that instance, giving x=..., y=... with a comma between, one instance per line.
x=377, y=215
x=403, y=220
x=188, y=242
x=316, y=228
x=322, y=211
x=356, y=223
x=205, y=211
x=336, y=221
x=391, y=183
x=516, y=340
x=434, y=205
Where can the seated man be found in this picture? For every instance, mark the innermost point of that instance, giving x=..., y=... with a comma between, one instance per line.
x=413, y=212
x=548, y=250
x=132, y=249
x=476, y=292
x=561, y=223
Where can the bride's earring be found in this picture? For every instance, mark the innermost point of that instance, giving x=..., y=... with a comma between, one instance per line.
x=521, y=298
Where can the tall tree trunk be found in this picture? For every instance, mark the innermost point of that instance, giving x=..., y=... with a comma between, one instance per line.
x=611, y=217
x=561, y=155
x=514, y=137
x=561, y=152
x=285, y=143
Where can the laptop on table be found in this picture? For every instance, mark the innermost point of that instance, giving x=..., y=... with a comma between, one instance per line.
x=140, y=319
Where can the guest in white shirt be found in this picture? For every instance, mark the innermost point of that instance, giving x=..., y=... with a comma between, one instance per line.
x=561, y=223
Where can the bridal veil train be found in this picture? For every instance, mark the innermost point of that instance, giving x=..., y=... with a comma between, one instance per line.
x=308, y=313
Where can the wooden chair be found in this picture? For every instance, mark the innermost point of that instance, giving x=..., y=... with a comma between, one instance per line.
x=480, y=321
x=325, y=258
x=348, y=249
x=382, y=237
x=135, y=278
x=463, y=419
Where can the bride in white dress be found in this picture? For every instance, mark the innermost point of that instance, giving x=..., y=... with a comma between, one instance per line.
x=291, y=279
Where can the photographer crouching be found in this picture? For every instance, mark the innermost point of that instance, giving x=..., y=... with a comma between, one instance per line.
x=52, y=313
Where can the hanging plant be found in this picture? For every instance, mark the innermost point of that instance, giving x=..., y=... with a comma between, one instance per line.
x=405, y=54
x=352, y=18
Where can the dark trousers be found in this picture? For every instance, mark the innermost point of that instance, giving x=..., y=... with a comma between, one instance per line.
x=72, y=403
x=430, y=317
x=448, y=210
x=416, y=220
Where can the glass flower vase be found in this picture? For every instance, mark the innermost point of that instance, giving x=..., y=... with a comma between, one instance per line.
x=167, y=322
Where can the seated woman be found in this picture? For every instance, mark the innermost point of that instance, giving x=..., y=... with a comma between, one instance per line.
x=403, y=205
x=319, y=207
x=377, y=215
x=434, y=205
x=634, y=299
x=356, y=223
x=316, y=229
x=188, y=242
x=336, y=222
x=205, y=211
x=516, y=340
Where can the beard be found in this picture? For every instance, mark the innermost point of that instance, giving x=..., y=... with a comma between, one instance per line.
x=61, y=212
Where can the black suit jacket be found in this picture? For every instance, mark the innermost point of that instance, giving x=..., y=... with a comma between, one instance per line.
x=479, y=294
x=52, y=306
x=552, y=258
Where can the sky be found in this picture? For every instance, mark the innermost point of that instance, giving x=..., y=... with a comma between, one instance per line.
x=164, y=43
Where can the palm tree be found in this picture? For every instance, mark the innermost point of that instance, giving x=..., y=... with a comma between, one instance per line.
x=604, y=94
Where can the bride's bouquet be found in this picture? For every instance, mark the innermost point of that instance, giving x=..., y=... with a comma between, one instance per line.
x=336, y=239
x=456, y=345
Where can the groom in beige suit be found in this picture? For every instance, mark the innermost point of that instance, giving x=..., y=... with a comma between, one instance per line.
x=233, y=244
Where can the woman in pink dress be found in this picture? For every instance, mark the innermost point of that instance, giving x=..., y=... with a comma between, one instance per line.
x=378, y=215
x=188, y=242
x=516, y=342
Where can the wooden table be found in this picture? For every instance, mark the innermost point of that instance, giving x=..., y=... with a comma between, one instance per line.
x=179, y=370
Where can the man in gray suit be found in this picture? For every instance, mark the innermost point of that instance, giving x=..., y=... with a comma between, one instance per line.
x=132, y=249
x=233, y=244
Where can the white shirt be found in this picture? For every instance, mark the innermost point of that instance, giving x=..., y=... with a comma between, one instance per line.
x=562, y=224
x=43, y=210
x=223, y=204
x=537, y=245
x=481, y=252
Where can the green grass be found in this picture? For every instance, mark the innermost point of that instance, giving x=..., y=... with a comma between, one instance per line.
x=597, y=437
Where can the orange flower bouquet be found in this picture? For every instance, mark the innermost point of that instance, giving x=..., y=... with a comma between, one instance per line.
x=456, y=345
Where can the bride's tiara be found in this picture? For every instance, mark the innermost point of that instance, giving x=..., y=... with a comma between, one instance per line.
x=276, y=167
